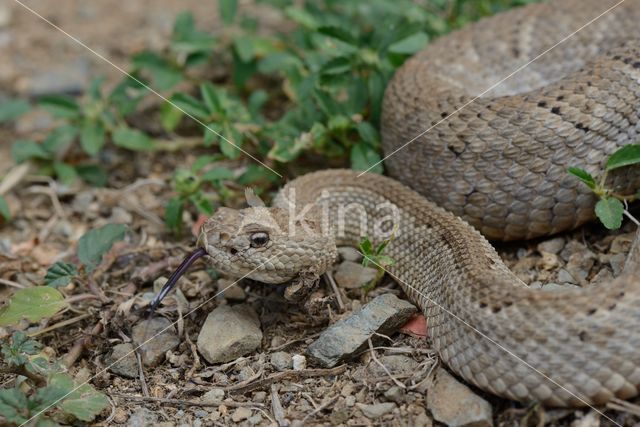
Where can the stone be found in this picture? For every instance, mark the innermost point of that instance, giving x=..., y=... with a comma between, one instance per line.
x=347, y=253
x=122, y=361
x=376, y=410
x=454, y=404
x=159, y=336
x=350, y=275
x=281, y=360
x=565, y=277
x=552, y=246
x=348, y=336
x=213, y=396
x=554, y=287
x=394, y=394
x=142, y=417
x=299, y=362
x=240, y=414
x=228, y=333
x=259, y=396
x=69, y=79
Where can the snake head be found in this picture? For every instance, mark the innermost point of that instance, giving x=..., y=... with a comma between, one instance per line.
x=265, y=244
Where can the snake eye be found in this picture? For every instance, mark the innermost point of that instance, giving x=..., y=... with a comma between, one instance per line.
x=259, y=239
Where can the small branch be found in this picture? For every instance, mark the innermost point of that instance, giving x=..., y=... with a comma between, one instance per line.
x=80, y=346
x=286, y=375
x=180, y=402
x=38, y=380
x=59, y=325
x=336, y=290
x=375, y=358
x=11, y=283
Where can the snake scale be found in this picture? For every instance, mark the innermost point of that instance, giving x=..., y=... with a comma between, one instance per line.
x=496, y=167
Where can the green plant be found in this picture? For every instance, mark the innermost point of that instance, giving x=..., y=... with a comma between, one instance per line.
x=314, y=90
x=43, y=387
x=612, y=206
x=375, y=255
x=42, y=391
x=40, y=302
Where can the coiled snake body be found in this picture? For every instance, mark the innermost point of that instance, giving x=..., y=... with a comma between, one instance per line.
x=500, y=163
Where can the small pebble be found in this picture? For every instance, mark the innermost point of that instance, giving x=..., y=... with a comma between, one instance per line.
x=281, y=360
x=259, y=396
x=122, y=361
x=553, y=246
x=240, y=414
x=350, y=400
x=200, y=413
x=395, y=394
x=351, y=275
x=376, y=410
x=565, y=277
x=215, y=395
x=299, y=362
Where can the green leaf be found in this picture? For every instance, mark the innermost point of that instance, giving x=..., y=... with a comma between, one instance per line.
x=80, y=400
x=218, y=174
x=95, y=243
x=14, y=405
x=67, y=174
x=170, y=117
x=24, y=149
x=12, y=109
x=410, y=45
x=132, y=139
x=610, y=210
x=625, y=156
x=228, y=10
x=230, y=146
x=60, y=138
x=363, y=157
x=366, y=247
x=187, y=39
x=60, y=106
x=92, y=136
x=190, y=106
x=4, y=209
x=302, y=17
x=339, y=33
x=583, y=176
x=244, y=48
x=201, y=203
x=256, y=101
x=210, y=97
x=60, y=274
x=368, y=133
x=165, y=75
x=93, y=175
x=173, y=214
x=32, y=304
x=16, y=352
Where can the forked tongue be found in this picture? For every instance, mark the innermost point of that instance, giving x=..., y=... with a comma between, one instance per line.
x=171, y=283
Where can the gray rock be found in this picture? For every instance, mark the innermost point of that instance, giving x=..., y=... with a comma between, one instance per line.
x=69, y=79
x=142, y=417
x=348, y=336
x=552, y=246
x=554, y=287
x=200, y=413
x=350, y=275
x=281, y=360
x=347, y=253
x=122, y=361
x=164, y=339
x=394, y=394
x=215, y=395
x=259, y=396
x=454, y=404
x=231, y=290
x=376, y=410
x=228, y=333
x=565, y=277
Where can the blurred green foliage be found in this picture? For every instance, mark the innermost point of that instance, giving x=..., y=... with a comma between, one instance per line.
x=312, y=89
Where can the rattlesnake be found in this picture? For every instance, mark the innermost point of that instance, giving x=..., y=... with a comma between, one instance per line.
x=500, y=164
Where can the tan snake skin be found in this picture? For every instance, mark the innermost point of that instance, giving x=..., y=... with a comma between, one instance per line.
x=501, y=164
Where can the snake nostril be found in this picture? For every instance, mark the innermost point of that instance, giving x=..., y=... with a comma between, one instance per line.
x=233, y=251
